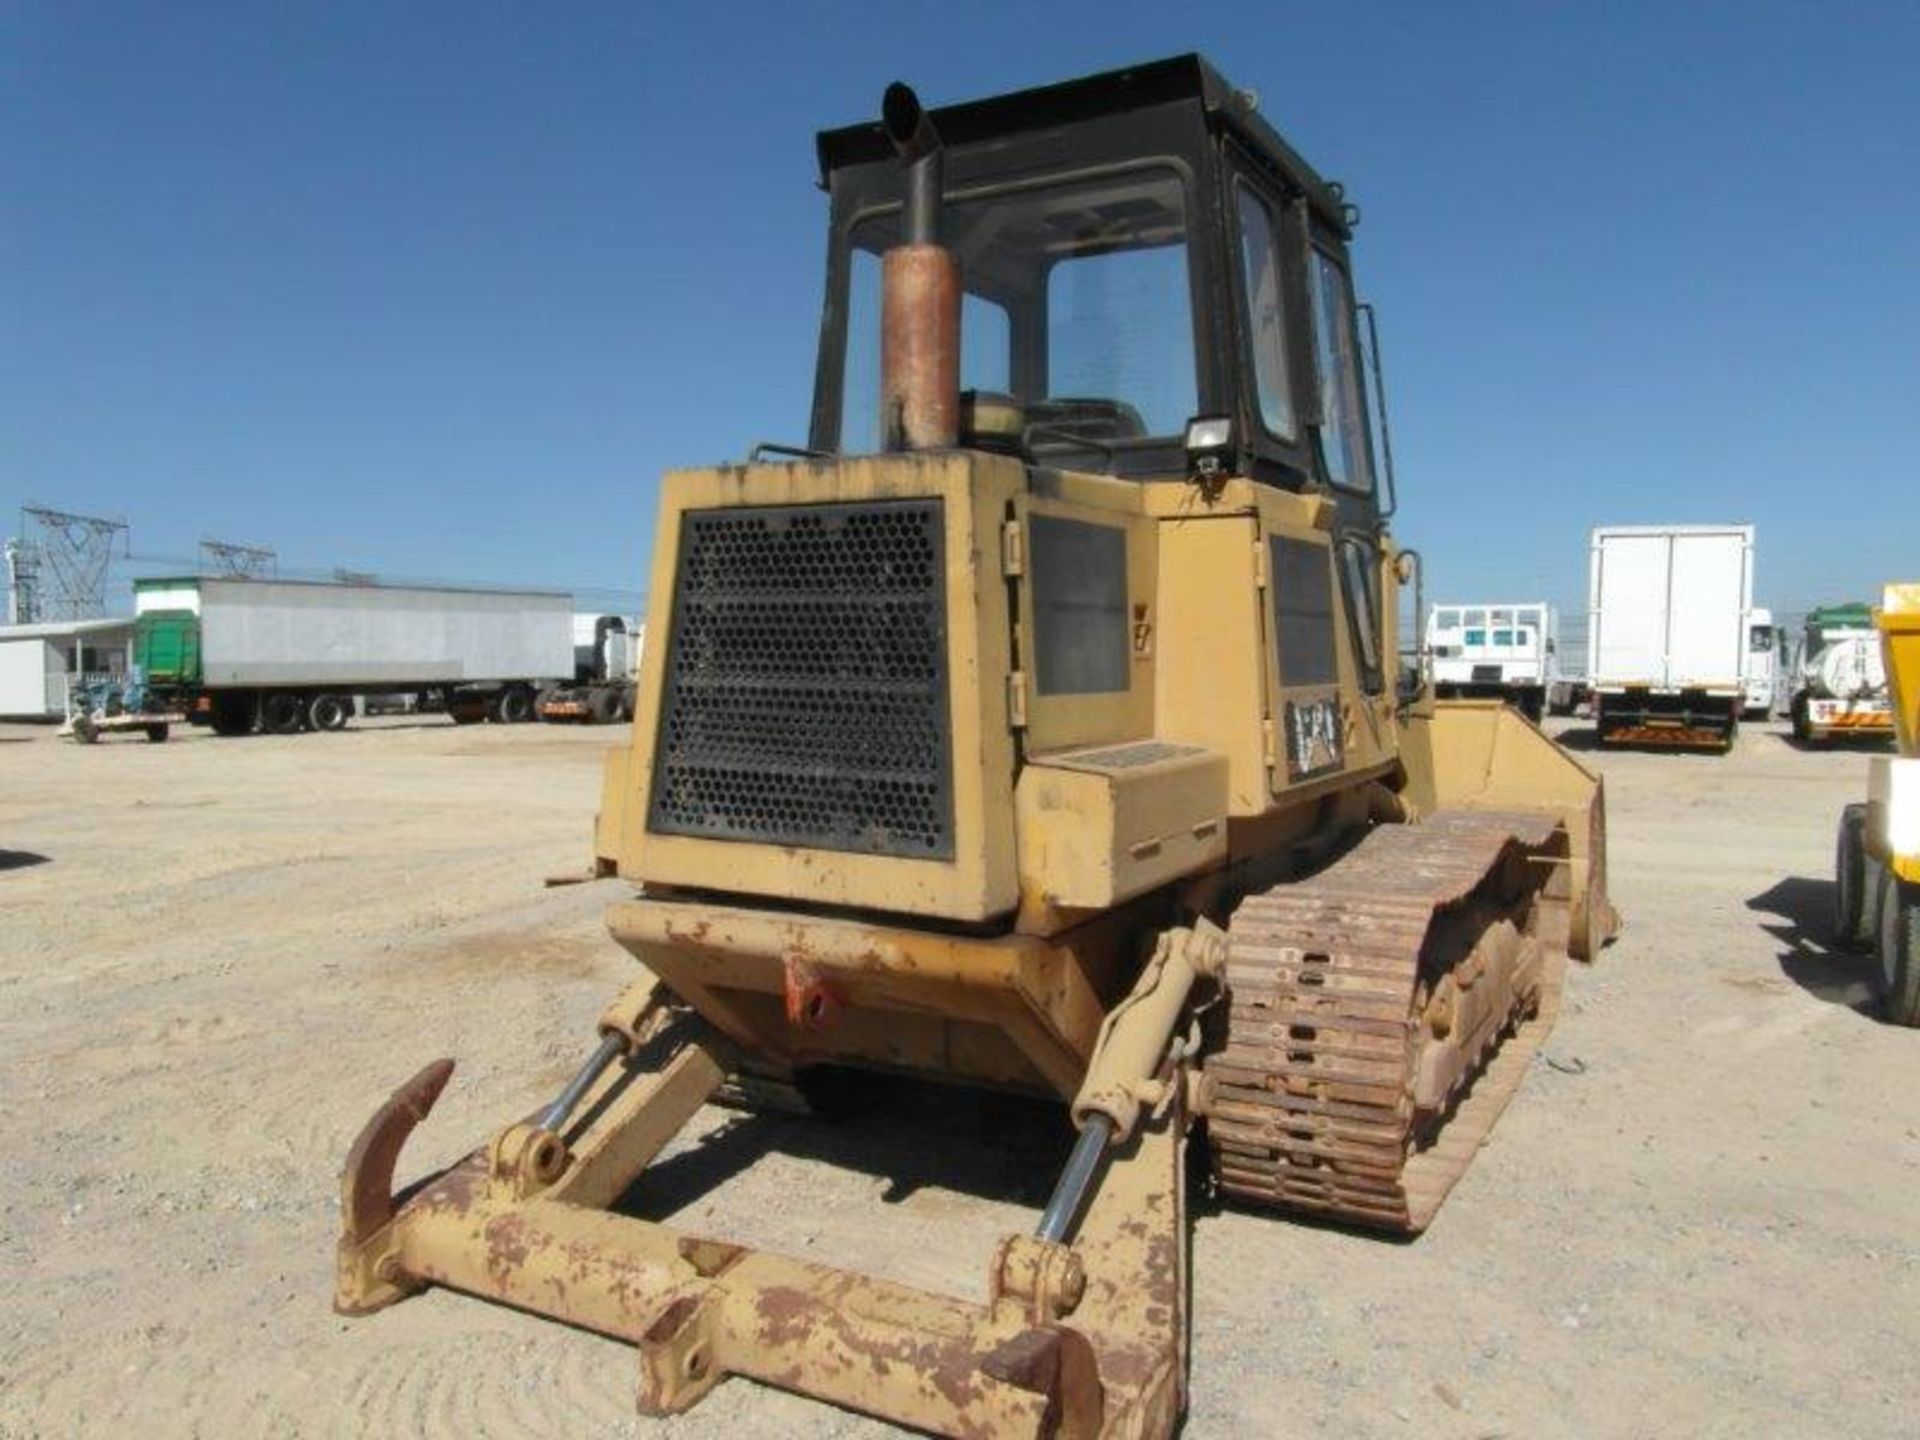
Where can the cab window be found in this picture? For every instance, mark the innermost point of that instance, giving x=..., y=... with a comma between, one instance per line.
x=1266, y=319
x=1503, y=637
x=1476, y=637
x=1343, y=432
x=1760, y=640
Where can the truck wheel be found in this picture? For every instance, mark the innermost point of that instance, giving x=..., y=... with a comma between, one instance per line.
x=156, y=734
x=468, y=710
x=283, y=714
x=1852, y=927
x=1900, y=950
x=513, y=706
x=605, y=707
x=327, y=712
x=231, y=715
x=1802, y=729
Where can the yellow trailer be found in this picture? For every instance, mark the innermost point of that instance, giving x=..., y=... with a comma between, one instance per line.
x=1877, y=879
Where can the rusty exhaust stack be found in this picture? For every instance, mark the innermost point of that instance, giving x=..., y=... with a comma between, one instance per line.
x=920, y=296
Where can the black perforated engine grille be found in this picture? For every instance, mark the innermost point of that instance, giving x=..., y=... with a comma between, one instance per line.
x=805, y=700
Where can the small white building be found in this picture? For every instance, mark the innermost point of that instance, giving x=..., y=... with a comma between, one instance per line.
x=40, y=663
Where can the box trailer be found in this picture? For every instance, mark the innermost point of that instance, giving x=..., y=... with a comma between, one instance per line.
x=290, y=655
x=1499, y=652
x=1667, y=635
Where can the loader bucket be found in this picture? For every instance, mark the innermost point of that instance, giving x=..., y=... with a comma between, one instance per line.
x=1484, y=755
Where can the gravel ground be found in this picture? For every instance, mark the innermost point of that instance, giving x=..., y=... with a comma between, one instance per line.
x=1698, y=1217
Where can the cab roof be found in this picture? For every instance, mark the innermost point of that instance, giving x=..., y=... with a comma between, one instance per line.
x=1179, y=78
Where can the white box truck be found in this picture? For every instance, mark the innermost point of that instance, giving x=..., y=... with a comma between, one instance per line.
x=1667, y=633
x=1498, y=652
x=288, y=655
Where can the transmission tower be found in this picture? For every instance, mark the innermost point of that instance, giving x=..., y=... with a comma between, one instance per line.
x=238, y=562
x=69, y=558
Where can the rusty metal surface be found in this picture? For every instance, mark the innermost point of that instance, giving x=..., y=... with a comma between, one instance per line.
x=920, y=347
x=1079, y=1340
x=1356, y=1083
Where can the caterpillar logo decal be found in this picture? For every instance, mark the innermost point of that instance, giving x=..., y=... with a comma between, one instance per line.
x=1314, y=744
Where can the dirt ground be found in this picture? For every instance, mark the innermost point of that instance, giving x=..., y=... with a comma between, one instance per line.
x=1698, y=1217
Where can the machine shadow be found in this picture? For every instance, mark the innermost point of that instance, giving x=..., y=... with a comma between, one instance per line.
x=1579, y=737
x=910, y=1133
x=1802, y=908
x=21, y=859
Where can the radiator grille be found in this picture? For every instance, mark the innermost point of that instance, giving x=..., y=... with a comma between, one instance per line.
x=805, y=700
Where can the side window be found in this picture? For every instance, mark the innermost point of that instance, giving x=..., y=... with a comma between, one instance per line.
x=1358, y=577
x=1761, y=640
x=1343, y=434
x=1447, y=619
x=1503, y=638
x=1302, y=612
x=1080, y=634
x=1476, y=637
x=1266, y=316
x=1523, y=638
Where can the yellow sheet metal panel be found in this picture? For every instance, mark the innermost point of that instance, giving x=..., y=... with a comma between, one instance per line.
x=978, y=882
x=1899, y=620
x=610, y=822
x=1085, y=547
x=1098, y=826
x=1210, y=624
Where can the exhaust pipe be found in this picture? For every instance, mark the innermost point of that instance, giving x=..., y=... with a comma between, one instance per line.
x=920, y=295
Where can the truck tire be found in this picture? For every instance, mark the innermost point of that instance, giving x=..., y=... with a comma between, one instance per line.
x=513, y=706
x=605, y=706
x=1852, y=919
x=1802, y=728
x=1899, y=948
x=156, y=734
x=327, y=712
x=283, y=713
x=468, y=709
x=231, y=715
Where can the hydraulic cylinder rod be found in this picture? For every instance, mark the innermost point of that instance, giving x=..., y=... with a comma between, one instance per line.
x=612, y=1046
x=1076, y=1181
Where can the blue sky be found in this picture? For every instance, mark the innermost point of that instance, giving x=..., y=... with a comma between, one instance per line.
x=438, y=291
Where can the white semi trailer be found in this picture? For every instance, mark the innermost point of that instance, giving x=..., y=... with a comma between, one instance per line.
x=1667, y=638
x=287, y=655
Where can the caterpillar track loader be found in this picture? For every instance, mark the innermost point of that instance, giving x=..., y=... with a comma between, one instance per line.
x=1037, y=726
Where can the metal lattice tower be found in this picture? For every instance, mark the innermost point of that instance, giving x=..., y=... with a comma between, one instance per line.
x=238, y=562
x=70, y=557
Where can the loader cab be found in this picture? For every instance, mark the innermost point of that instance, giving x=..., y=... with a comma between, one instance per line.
x=1136, y=250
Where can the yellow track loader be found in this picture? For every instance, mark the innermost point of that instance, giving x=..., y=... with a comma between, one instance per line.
x=1037, y=725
